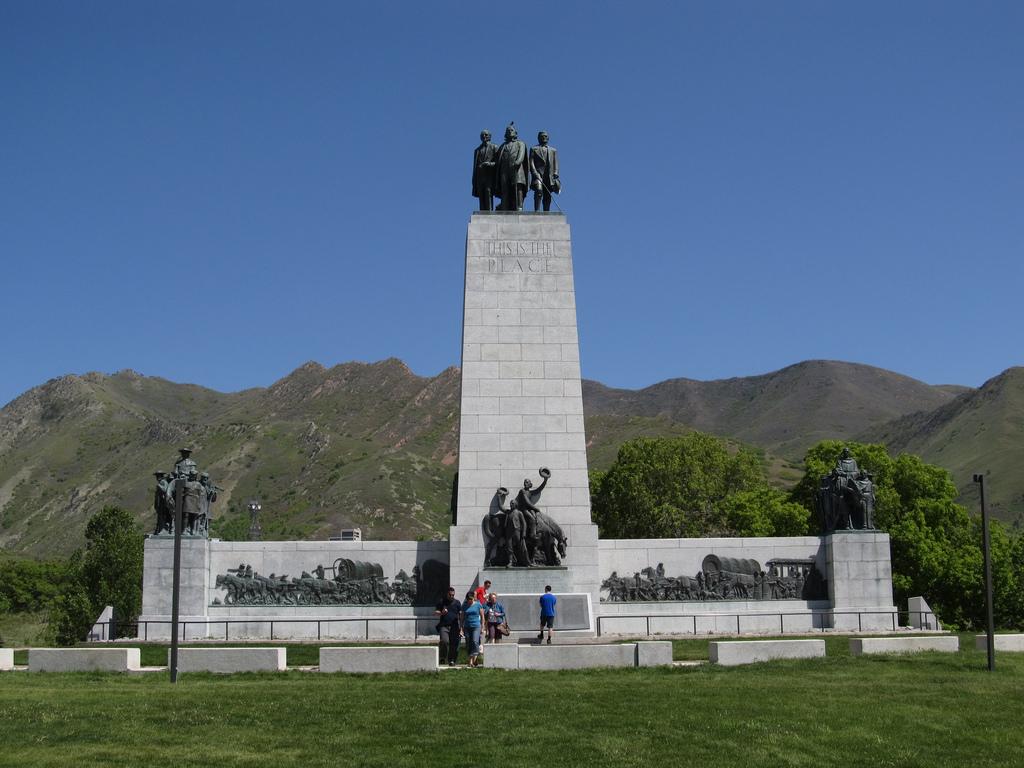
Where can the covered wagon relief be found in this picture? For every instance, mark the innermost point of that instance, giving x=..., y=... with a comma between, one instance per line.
x=346, y=582
x=721, y=578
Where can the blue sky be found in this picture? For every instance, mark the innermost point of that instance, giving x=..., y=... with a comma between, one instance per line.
x=218, y=192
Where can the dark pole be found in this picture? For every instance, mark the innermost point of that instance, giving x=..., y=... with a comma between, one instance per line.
x=176, y=588
x=991, y=624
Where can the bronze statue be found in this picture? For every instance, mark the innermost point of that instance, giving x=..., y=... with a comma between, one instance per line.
x=846, y=497
x=164, y=512
x=194, y=497
x=209, y=496
x=484, y=171
x=506, y=535
x=185, y=464
x=525, y=502
x=544, y=172
x=511, y=162
x=494, y=526
x=199, y=493
x=551, y=541
x=521, y=535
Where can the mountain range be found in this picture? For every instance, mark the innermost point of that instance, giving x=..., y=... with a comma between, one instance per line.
x=375, y=446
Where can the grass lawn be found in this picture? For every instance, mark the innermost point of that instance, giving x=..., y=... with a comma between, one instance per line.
x=923, y=710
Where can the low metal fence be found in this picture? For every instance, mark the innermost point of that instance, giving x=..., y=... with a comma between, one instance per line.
x=823, y=618
x=142, y=628
x=425, y=625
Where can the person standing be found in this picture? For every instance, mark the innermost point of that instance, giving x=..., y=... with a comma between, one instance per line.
x=484, y=171
x=544, y=172
x=547, y=613
x=495, y=613
x=472, y=621
x=448, y=627
x=481, y=592
x=512, y=164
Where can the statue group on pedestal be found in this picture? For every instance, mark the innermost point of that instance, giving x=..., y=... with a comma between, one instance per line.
x=521, y=535
x=198, y=494
x=505, y=172
x=846, y=497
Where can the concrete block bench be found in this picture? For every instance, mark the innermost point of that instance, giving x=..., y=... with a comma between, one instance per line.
x=1012, y=643
x=576, y=656
x=228, y=660
x=654, y=653
x=6, y=658
x=734, y=652
x=399, y=658
x=501, y=656
x=83, y=659
x=861, y=646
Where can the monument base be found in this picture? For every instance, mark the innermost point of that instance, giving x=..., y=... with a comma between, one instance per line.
x=573, y=613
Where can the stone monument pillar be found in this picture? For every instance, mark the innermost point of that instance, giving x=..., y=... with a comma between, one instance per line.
x=158, y=578
x=859, y=572
x=522, y=406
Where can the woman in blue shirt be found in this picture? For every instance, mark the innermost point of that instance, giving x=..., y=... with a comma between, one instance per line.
x=472, y=619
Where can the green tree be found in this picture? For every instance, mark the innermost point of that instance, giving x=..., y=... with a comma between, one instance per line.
x=112, y=563
x=764, y=511
x=107, y=572
x=684, y=487
x=1008, y=582
x=32, y=585
x=71, y=616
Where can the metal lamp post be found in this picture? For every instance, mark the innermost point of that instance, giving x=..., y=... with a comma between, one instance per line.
x=990, y=620
x=179, y=501
x=255, y=530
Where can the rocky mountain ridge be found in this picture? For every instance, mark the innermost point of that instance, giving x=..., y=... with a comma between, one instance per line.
x=374, y=445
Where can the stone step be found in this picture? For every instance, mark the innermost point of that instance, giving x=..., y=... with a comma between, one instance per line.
x=861, y=646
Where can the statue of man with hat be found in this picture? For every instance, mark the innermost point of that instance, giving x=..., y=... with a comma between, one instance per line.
x=164, y=516
x=511, y=161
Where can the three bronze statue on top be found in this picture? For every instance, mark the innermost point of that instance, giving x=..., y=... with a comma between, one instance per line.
x=505, y=172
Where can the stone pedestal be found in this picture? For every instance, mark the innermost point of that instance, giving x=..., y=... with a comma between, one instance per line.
x=158, y=583
x=522, y=406
x=860, y=580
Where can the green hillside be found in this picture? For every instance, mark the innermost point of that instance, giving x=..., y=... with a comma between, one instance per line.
x=375, y=446
x=981, y=430
x=368, y=445
x=784, y=412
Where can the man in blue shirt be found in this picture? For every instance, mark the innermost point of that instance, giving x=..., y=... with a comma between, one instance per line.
x=448, y=627
x=547, y=613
